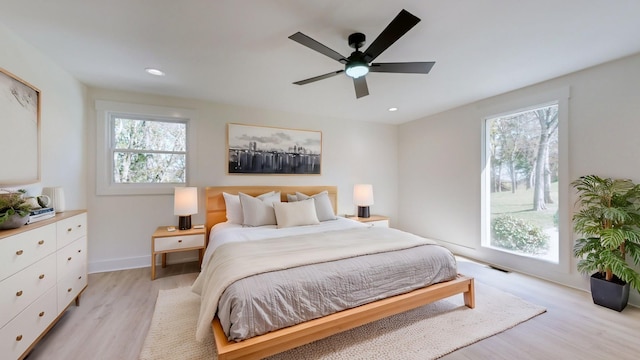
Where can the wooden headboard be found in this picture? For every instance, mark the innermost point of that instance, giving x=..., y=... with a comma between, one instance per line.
x=215, y=207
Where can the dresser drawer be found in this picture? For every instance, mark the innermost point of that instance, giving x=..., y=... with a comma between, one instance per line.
x=70, y=286
x=24, y=329
x=21, y=289
x=72, y=257
x=21, y=250
x=178, y=242
x=71, y=229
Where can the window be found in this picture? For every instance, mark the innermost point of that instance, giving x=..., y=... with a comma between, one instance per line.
x=141, y=149
x=148, y=151
x=521, y=192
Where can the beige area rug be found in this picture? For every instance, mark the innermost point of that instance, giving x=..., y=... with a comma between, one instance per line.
x=428, y=332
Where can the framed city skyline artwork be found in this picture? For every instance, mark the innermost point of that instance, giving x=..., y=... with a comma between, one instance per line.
x=262, y=150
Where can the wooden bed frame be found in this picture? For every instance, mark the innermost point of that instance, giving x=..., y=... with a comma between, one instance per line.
x=288, y=338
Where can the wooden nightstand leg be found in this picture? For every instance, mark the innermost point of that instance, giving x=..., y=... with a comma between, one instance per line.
x=153, y=266
x=164, y=260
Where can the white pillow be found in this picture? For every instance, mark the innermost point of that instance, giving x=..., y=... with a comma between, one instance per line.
x=296, y=213
x=324, y=210
x=234, y=208
x=258, y=211
x=292, y=197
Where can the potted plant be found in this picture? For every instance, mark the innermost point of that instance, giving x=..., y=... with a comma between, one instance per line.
x=608, y=221
x=14, y=210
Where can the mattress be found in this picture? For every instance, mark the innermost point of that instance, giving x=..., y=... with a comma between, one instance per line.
x=288, y=295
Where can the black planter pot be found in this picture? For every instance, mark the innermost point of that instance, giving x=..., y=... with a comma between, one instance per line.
x=610, y=294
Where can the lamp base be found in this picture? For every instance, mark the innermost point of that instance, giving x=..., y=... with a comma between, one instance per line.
x=184, y=222
x=363, y=211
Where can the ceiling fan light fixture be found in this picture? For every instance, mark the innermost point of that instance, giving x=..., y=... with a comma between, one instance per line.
x=154, y=71
x=356, y=70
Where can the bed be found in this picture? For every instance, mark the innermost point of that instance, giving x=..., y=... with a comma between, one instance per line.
x=274, y=339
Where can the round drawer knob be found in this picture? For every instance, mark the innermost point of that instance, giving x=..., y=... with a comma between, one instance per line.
x=41, y=242
x=69, y=289
x=179, y=241
x=41, y=314
x=19, y=337
x=19, y=293
x=41, y=276
x=79, y=250
x=69, y=229
x=19, y=252
x=79, y=226
x=69, y=258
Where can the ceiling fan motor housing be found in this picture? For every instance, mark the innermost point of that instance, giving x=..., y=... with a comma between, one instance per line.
x=357, y=40
x=357, y=58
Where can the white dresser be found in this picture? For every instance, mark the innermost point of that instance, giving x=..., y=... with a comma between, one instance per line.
x=43, y=269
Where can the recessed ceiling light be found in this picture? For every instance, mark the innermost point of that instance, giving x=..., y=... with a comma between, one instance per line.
x=155, y=72
x=393, y=109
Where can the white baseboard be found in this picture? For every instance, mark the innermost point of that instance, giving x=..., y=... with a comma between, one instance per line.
x=139, y=262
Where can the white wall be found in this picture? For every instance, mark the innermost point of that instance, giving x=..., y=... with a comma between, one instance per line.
x=440, y=156
x=62, y=119
x=120, y=227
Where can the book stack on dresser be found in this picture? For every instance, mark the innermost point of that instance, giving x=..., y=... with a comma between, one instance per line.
x=43, y=269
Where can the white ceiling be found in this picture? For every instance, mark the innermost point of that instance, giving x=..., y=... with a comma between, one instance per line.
x=237, y=51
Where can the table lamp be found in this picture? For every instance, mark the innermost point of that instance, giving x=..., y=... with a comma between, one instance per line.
x=363, y=197
x=185, y=204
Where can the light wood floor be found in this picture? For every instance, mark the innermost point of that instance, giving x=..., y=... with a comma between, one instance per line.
x=116, y=309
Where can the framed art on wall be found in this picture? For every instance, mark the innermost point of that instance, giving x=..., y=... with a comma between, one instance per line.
x=269, y=150
x=20, y=126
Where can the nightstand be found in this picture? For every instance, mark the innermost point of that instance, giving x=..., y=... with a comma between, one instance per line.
x=373, y=220
x=163, y=242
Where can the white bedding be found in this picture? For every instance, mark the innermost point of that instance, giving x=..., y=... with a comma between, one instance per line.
x=227, y=232
x=285, y=252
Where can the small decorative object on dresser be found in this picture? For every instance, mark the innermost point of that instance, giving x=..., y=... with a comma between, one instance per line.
x=56, y=195
x=43, y=269
x=167, y=239
x=14, y=210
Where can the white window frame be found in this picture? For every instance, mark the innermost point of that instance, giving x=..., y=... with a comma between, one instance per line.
x=508, y=260
x=105, y=111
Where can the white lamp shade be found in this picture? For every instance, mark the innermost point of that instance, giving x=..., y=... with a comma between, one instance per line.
x=185, y=201
x=363, y=194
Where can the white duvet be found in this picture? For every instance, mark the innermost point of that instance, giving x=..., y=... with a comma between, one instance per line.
x=226, y=232
x=282, y=251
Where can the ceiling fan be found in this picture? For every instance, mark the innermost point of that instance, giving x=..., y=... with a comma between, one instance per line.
x=359, y=63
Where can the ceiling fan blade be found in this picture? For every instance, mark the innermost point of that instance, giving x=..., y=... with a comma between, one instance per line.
x=361, y=87
x=399, y=26
x=408, y=68
x=320, y=77
x=314, y=45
